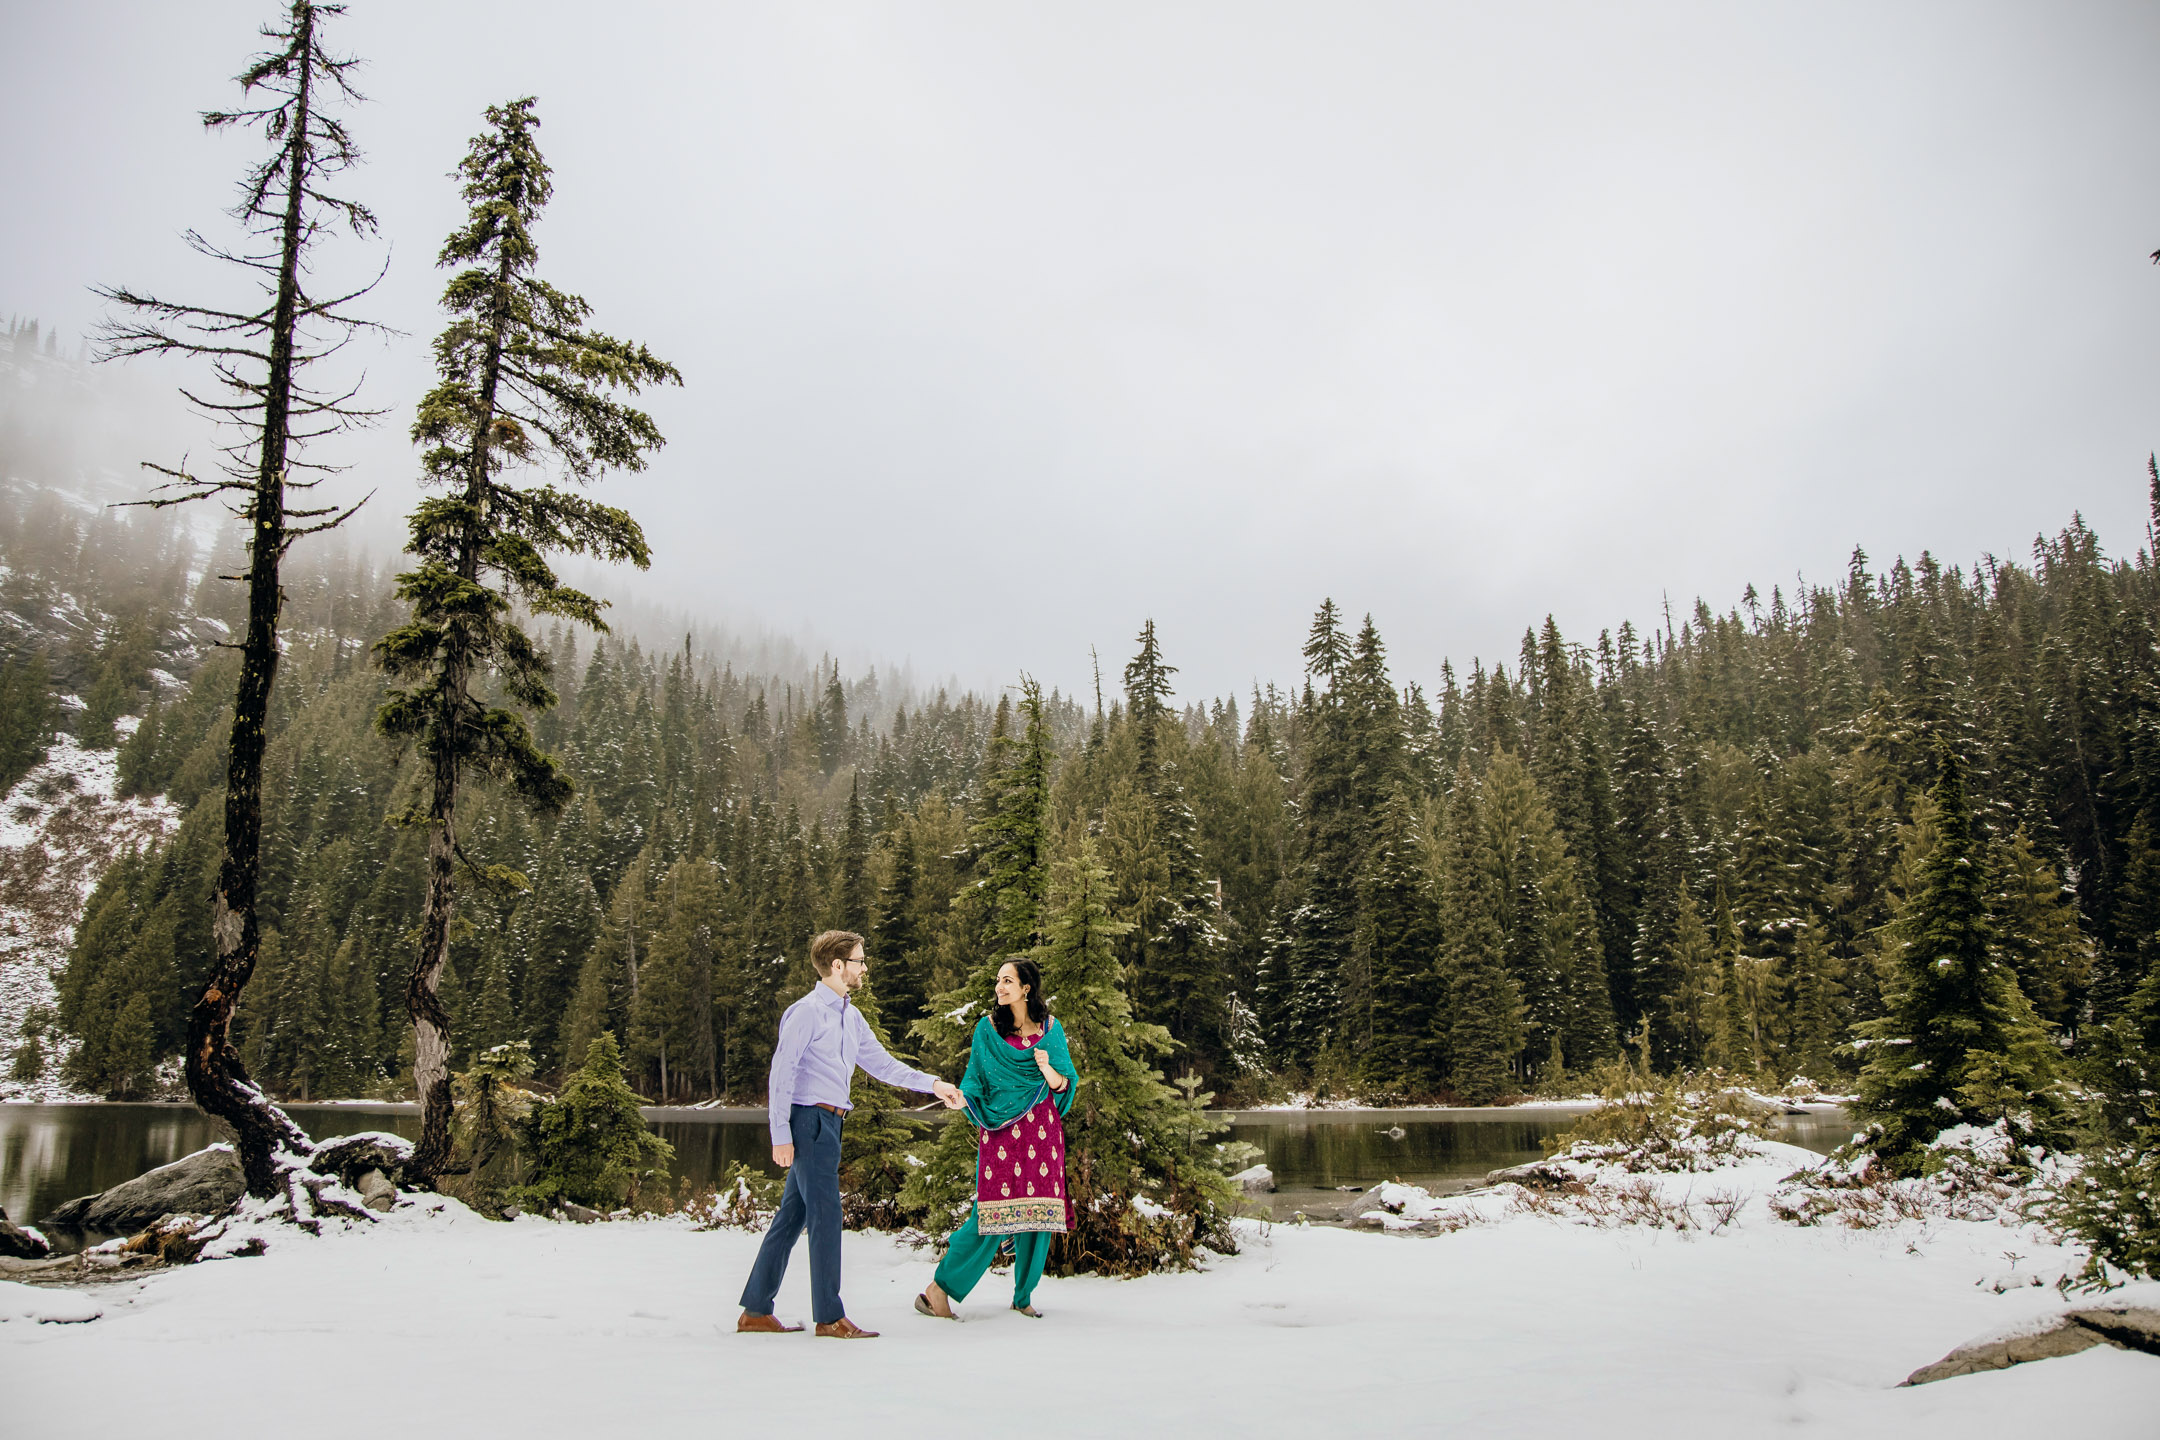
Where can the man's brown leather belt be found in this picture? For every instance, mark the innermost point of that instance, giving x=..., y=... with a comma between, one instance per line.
x=836, y=1109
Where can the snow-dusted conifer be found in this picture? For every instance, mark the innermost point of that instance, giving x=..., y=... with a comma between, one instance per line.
x=1957, y=1023
x=522, y=383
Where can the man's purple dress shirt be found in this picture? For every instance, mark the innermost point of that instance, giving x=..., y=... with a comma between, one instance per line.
x=822, y=1039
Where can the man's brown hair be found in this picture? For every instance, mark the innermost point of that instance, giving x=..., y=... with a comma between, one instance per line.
x=830, y=948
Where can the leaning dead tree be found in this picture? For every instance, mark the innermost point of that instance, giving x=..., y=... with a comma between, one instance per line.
x=262, y=359
x=522, y=385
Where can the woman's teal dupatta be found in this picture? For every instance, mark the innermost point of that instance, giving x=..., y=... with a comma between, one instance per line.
x=1003, y=1083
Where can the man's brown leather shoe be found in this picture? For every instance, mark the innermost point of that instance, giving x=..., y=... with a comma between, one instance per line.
x=846, y=1329
x=766, y=1325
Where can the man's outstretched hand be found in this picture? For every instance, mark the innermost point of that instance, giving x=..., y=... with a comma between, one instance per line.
x=948, y=1092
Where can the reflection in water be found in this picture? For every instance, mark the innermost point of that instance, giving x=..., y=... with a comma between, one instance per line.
x=50, y=1154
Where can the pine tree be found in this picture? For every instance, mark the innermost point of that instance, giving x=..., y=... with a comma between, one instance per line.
x=1484, y=1009
x=522, y=382
x=852, y=900
x=1955, y=1007
x=897, y=936
x=2037, y=921
x=1125, y=1132
x=1177, y=965
x=1400, y=936
x=1320, y=927
x=1732, y=1044
x=28, y=716
x=1012, y=836
x=589, y=1145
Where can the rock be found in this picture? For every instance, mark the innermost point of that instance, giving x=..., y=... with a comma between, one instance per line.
x=2134, y=1327
x=1258, y=1180
x=350, y=1157
x=11, y=1269
x=570, y=1211
x=1537, y=1175
x=2127, y=1327
x=376, y=1191
x=204, y=1183
x=17, y=1243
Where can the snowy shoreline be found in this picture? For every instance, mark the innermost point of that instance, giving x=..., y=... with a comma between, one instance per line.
x=1523, y=1323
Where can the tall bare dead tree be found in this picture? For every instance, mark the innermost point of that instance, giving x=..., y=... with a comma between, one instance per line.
x=261, y=359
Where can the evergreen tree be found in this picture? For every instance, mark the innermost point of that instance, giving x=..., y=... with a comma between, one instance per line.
x=851, y=910
x=1956, y=1017
x=1401, y=940
x=1012, y=836
x=1319, y=928
x=28, y=716
x=1177, y=951
x=589, y=1145
x=1484, y=1009
x=2037, y=920
x=896, y=934
x=1693, y=993
x=1125, y=1132
x=522, y=382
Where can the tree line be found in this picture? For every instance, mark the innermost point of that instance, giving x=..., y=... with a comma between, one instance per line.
x=1692, y=843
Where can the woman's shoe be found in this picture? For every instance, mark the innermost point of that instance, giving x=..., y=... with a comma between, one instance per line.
x=1030, y=1311
x=922, y=1307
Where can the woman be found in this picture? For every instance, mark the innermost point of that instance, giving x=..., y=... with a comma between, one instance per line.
x=1018, y=1086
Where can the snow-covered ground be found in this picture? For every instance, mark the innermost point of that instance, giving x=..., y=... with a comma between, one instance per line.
x=1525, y=1323
x=60, y=827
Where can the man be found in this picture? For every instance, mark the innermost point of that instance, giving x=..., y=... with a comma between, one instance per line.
x=822, y=1039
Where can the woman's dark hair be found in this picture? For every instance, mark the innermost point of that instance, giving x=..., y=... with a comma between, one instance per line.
x=1029, y=974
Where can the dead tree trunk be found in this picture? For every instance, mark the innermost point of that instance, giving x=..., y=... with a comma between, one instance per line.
x=216, y=1078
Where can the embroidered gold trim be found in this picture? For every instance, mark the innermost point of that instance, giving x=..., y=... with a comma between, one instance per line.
x=1027, y=1215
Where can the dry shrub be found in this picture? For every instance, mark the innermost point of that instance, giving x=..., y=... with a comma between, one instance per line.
x=1966, y=1173
x=1636, y=1201
x=744, y=1200
x=1685, y=1122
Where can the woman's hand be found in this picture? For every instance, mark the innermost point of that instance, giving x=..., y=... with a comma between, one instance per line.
x=1050, y=1074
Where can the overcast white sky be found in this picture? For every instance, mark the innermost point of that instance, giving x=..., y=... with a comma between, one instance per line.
x=1005, y=327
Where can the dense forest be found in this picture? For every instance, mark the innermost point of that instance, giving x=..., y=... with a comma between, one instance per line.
x=1685, y=842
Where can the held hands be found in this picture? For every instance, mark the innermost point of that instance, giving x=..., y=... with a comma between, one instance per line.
x=1050, y=1075
x=948, y=1092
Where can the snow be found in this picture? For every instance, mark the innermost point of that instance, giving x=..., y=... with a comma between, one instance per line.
x=60, y=827
x=1525, y=1323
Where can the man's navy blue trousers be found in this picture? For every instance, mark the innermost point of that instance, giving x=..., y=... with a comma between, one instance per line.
x=813, y=1197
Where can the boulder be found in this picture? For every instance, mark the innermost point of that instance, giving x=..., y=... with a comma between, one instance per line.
x=2134, y=1327
x=1259, y=1180
x=376, y=1191
x=2061, y=1336
x=204, y=1183
x=570, y=1210
x=17, y=1243
x=2127, y=1327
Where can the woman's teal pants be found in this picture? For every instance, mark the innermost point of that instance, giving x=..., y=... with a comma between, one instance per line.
x=969, y=1253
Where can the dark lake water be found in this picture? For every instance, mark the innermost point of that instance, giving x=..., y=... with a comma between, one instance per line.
x=51, y=1153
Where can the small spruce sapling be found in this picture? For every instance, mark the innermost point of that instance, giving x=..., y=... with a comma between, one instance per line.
x=589, y=1145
